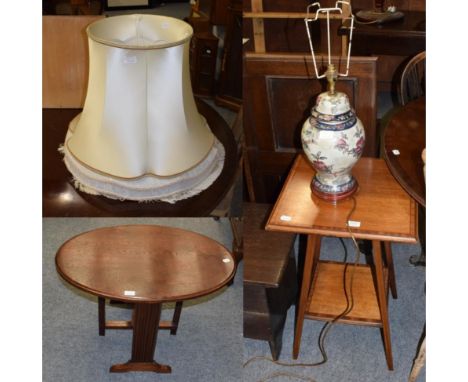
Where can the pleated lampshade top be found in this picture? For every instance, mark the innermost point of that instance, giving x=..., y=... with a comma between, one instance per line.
x=140, y=31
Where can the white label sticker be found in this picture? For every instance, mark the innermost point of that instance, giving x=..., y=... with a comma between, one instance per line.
x=285, y=218
x=353, y=223
x=129, y=293
x=130, y=60
x=396, y=152
x=226, y=260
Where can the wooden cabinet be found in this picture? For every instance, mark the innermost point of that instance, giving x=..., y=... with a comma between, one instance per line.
x=229, y=92
x=222, y=18
x=219, y=12
x=394, y=43
x=204, y=49
x=270, y=280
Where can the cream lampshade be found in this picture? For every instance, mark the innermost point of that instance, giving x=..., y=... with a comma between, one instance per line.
x=140, y=135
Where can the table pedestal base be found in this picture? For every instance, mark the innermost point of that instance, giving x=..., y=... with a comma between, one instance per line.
x=140, y=366
x=145, y=332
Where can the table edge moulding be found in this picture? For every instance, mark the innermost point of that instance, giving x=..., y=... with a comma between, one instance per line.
x=378, y=200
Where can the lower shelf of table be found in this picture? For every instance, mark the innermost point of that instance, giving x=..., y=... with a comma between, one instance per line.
x=328, y=300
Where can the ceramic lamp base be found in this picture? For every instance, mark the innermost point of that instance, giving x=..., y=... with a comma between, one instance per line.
x=333, y=193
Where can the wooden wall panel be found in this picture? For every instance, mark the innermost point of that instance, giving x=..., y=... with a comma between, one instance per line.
x=219, y=13
x=298, y=100
x=279, y=90
x=65, y=60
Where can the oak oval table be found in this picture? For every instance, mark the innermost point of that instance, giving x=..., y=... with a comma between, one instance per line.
x=145, y=265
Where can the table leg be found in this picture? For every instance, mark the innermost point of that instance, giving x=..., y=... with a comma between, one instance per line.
x=420, y=260
x=391, y=269
x=382, y=299
x=237, y=238
x=176, y=317
x=276, y=343
x=312, y=250
x=102, y=315
x=145, y=331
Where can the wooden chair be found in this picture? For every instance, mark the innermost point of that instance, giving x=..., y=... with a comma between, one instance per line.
x=413, y=79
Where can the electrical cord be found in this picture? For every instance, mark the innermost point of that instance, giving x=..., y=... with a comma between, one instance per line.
x=329, y=324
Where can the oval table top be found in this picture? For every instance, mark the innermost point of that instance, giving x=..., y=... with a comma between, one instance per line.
x=145, y=263
x=406, y=132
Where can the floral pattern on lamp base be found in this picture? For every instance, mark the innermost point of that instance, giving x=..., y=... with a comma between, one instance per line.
x=333, y=139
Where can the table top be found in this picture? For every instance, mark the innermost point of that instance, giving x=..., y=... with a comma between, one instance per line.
x=145, y=263
x=60, y=198
x=406, y=132
x=383, y=209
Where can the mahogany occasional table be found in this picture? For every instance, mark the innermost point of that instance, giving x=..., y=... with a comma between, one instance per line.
x=386, y=214
x=146, y=266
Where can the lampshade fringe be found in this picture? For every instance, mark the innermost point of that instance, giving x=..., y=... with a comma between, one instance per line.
x=148, y=188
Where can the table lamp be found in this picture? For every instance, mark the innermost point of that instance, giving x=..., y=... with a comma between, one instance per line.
x=332, y=137
x=140, y=136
